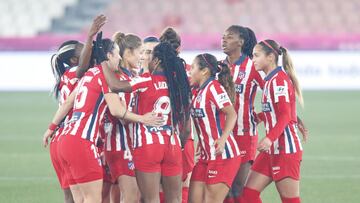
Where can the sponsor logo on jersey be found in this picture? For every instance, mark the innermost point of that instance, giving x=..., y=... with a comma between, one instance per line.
x=266, y=107
x=160, y=128
x=222, y=98
x=239, y=88
x=197, y=112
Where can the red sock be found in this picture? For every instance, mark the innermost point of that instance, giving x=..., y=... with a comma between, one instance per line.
x=290, y=200
x=229, y=200
x=162, y=197
x=185, y=193
x=250, y=196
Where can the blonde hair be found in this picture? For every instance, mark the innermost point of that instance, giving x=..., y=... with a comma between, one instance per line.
x=270, y=46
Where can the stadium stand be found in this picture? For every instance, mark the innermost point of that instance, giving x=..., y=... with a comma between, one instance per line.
x=309, y=21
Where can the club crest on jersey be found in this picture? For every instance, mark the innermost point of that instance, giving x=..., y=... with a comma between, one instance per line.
x=266, y=107
x=198, y=98
x=197, y=112
x=239, y=88
x=241, y=75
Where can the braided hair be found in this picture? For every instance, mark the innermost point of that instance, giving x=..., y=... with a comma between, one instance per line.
x=177, y=81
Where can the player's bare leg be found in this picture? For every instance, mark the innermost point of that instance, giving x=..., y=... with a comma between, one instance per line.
x=129, y=189
x=77, y=194
x=216, y=193
x=172, y=187
x=197, y=192
x=91, y=191
x=149, y=185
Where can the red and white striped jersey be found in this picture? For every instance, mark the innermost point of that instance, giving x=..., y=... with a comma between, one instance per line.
x=89, y=106
x=246, y=80
x=279, y=110
x=209, y=120
x=153, y=96
x=118, y=133
x=68, y=83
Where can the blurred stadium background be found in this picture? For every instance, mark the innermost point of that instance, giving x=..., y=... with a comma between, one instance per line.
x=322, y=35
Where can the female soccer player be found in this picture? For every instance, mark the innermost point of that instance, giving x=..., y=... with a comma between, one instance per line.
x=281, y=150
x=89, y=101
x=214, y=118
x=171, y=36
x=157, y=150
x=118, y=149
x=238, y=43
x=64, y=64
x=148, y=46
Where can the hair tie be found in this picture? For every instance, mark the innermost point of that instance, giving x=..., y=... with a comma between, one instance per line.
x=66, y=48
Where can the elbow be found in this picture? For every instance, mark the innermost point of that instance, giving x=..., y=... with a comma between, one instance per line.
x=114, y=112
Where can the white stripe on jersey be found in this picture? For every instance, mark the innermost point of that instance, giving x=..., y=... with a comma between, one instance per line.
x=273, y=116
x=149, y=139
x=207, y=125
x=117, y=137
x=234, y=141
x=241, y=96
x=86, y=128
x=161, y=138
x=108, y=140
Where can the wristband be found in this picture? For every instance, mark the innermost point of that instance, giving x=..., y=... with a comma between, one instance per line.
x=53, y=126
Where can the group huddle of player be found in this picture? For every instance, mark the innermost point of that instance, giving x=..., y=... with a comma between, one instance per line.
x=130, y=109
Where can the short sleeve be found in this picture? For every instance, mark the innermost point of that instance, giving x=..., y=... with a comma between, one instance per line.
x=280, y=90
x=219, y=96
x=102, y=82
x=140, y=83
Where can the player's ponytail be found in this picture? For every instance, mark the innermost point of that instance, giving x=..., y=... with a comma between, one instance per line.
x=220, y=69
x=60, y=62
x=289, y=68
x=271, y=47
x=177, y=81
x=226, y=80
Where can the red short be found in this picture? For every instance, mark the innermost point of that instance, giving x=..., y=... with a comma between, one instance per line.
x=216, y=171
x=119, y=163
x=247, y=145
x=164, y=158
x=188, y=157
x=64, y=183
x=278, y=166
x=80, y=159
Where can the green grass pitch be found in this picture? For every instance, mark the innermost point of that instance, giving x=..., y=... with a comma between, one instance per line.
x=330, y=169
